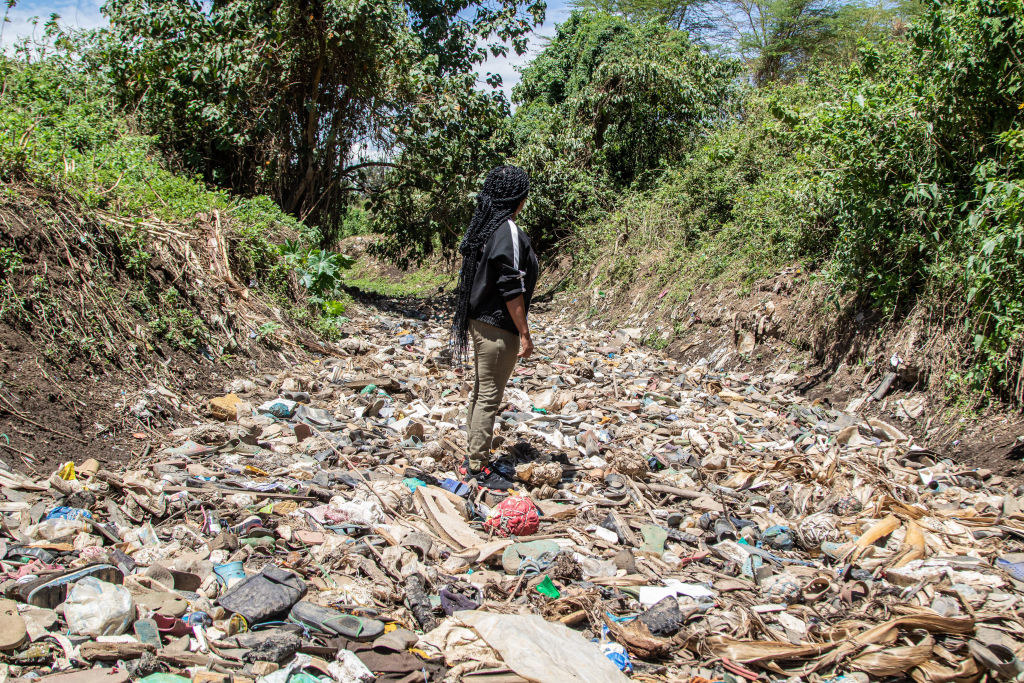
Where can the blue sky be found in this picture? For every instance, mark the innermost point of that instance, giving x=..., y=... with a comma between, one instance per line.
x=86, y=14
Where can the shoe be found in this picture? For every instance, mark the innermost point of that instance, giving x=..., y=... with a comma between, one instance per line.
x=998, y=659
x=489, y=479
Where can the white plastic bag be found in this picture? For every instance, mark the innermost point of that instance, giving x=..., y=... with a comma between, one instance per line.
x=56, y=529
x=348, y=668
x=97, y=608
x=542, y=651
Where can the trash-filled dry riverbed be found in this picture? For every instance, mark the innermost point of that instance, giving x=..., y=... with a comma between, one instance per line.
x=666, y=522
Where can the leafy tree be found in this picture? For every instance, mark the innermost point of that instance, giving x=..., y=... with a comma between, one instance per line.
x=608, y=105
x=286, y=97
x=693, y=16
x=424, y=203
x=775, y=37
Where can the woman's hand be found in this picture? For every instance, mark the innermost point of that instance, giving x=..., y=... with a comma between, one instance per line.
x=525, y=346
x=517, y=309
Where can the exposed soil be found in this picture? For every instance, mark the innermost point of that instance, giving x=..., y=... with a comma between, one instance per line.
x=84, y=372
x=76, y=411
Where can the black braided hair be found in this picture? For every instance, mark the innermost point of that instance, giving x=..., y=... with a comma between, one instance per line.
x=504, y=188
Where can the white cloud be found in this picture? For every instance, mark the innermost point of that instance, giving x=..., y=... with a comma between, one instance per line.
x=558, y=11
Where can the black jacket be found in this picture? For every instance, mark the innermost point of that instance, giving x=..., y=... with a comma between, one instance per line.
x=506, y=267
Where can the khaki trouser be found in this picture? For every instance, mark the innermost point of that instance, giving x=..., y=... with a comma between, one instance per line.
x=494, y=357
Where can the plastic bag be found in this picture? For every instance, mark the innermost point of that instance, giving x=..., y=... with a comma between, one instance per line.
x=56, y=529
x=542, y=651
x=348, y=667
x=97, y=608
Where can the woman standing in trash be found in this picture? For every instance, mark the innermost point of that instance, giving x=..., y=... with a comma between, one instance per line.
x=499, y=272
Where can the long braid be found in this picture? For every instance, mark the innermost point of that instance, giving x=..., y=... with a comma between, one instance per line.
x=504, y=188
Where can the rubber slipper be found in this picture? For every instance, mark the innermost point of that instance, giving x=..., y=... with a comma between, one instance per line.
x=171, y=626
x=173, y=578
x=654, y=539
x=997, y=658
x=51, y=590
x=723, y=530
x=13, y=632
x=453, y=599
x=664, y=618
x=816, y=589
x=1014, y=569
x=40, y=554
x=229, y=573
x=147, y=632
x=543, y=553
x=836, y=551
x=166, y=603
x=328, y=620
x=419, y=543
x=856, y=590
x=188, y=582
x=616, y=486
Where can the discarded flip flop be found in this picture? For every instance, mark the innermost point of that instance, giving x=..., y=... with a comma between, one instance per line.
x=147, y=632
x=723, y=530
x=52, y=589
x=853, y=591
x=542, y=553
x=778, y=537
x=171, y=626
x=816, y=589
x=229, y=573
x=162, y=602
x=997, y=658
x=664, y=618
x=327, y=620
x=453, y=599
x=836, y=551
x=1014, y=569
x=654, y=539
x=616, y=486
x=13, y=632
x=418, y=542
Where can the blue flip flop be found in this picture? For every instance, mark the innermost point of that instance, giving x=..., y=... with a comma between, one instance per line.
x=1014, y=569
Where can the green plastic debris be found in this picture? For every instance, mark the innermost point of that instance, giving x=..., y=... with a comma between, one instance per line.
x=369, y=389
x=165, y=678
x=413, y=483
x=654, y=539
x=546, y=587
x=538, y=410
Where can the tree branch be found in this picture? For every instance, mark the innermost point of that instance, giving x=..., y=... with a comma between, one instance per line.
x=367, y=164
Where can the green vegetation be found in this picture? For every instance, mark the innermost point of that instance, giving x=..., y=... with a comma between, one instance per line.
x=878, y=146
x=897, y=177
x=279, y=97
x=109, y=204
x=419, y=283
x=655, y=94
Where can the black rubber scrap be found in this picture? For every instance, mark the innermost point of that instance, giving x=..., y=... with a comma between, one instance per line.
x=419, y=602
x=664, y=618
x=275, y=645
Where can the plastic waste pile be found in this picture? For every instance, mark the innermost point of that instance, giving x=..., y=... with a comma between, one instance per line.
x=643, y=519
